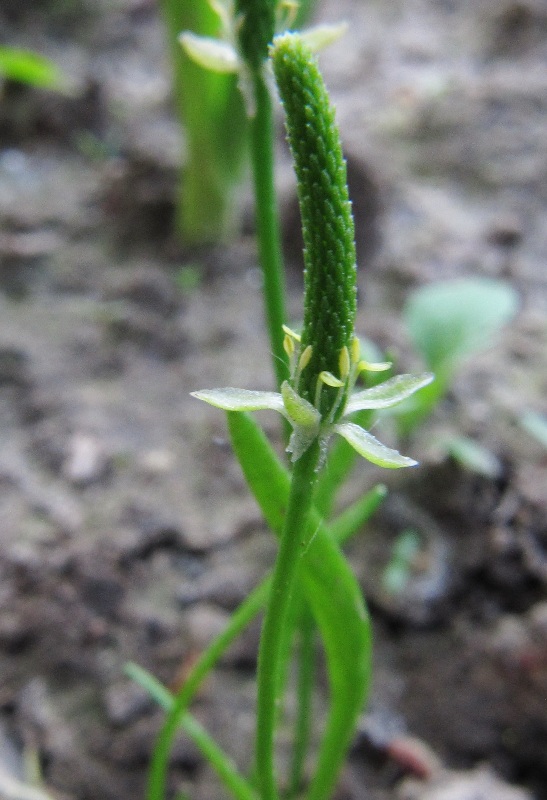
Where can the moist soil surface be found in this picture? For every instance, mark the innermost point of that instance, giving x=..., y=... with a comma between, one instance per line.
x=127, y=532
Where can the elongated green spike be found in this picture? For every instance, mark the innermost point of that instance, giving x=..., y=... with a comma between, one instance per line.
x=327, y=222
x=256, y=30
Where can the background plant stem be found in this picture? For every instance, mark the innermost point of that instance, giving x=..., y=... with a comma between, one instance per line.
x=294, y=542
x=267, y=222
x=211, y=108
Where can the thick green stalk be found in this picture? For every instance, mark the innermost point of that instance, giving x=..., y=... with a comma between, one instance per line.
x=327, y=223
x=295, y=540
x=267, y=222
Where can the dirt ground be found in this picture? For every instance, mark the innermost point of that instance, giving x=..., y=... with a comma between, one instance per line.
x=126, y=529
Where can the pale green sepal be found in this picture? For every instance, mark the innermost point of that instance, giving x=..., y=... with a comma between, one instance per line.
x=321, y=36
x=389, y=393
x=230, y=399
x=301, y=439
x=210, y=53
x=300, y=411
x=370, y=448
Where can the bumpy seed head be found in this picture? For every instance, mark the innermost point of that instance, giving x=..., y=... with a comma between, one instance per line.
x=327, y=222
x=255, y=30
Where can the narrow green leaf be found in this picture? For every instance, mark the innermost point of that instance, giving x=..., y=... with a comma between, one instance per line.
x=370, y=448
x=241, y=617
x=221, y=763
x=29, y=67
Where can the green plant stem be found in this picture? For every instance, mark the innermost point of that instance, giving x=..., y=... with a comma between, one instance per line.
x=295, y=540
x=240, y=618
x=220, y=762
x=267, y=221
x=306, y=675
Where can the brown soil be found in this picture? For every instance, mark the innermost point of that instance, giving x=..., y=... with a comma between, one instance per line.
x=127, y=530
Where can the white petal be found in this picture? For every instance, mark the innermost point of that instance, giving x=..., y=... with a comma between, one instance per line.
x=230, y=399
x=321, y=36
x=389, y=393
x=370, y=448
x=210, y=53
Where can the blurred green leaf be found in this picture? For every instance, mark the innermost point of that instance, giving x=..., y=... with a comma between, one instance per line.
x=536, y=425
x=399, y=567
x=450, y=320
x=26, y=66
x=473, y=456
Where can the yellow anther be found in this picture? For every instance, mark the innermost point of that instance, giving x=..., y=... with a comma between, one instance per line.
x=291, y=333
x=305, y=358
x=344, y=363
x=330, y=380
x=379, y=366
x=288, y=346
x=355, y=350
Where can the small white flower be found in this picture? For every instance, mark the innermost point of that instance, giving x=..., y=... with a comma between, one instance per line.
x=221, y=55
x=307, y=422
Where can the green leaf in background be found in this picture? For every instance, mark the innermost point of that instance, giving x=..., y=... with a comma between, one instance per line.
x=473, y=456
x=26, y=66
x=536, y=425
x=448, y=321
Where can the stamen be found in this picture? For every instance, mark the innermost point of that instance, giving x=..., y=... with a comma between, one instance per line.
x=330, y=380
x=344, y=363
x=379, y=366
x=288, y=346
x=305, y=358
x=303, y=362
x=291, y=333
x=355, y=350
